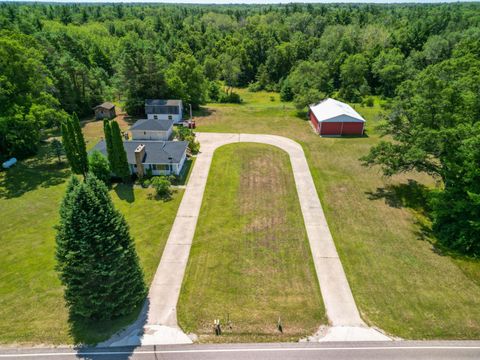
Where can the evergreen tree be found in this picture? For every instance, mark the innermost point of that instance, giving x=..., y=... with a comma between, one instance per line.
x=56, y=148
x=96, y=257
x=69, y=146
x=74, y=143
x=108, y=140
x=81, y=147
x=121, y=164
x=98, y=166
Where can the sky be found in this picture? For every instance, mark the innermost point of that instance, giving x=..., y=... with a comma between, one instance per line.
x=246, y=1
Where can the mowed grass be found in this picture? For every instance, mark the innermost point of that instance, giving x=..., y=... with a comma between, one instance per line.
x=401, y=283
x=250, y=261
x=32, y=310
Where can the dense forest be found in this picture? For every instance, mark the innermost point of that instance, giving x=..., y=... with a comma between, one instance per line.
x=424, y=59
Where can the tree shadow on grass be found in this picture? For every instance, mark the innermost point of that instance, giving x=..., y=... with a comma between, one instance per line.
x=27, y=175
x=125, y=192
x=411, y=195
x=164, y=197
x=202, y=112
x=98, y=336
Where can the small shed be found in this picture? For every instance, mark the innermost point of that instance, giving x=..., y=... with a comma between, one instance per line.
x=104, y=111
x=333, y=117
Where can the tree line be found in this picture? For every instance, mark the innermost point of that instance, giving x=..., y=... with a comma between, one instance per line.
x=60, y=59
x=422, y=59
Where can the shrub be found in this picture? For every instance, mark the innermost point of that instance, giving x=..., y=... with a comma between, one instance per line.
x=173, y=179
x=369, y=101
x=98, y=166
x=254, y=87
x=183, y=133
x=193, y=145
x=213, y=91
x=232, y=98
x=162, y=186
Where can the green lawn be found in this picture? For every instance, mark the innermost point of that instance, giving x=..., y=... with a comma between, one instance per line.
x=32, y=309
x=401, y=283
x=250, y=260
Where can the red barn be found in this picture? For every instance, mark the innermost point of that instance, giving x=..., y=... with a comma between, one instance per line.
x=332, y=117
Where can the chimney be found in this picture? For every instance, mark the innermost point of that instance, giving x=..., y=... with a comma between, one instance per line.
x=139, y=155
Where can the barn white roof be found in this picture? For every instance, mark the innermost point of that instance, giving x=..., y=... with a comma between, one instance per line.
x=331, y=108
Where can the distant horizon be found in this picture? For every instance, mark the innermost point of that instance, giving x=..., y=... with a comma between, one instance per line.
x=245, y=2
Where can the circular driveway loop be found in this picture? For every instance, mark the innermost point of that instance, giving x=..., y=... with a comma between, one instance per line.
x=159, y=313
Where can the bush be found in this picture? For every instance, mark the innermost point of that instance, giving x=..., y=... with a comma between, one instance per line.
x=254, y=87
x=162, y=186
x=213, y=91
x=369, y=101
x=286, y=92
x=183, y=133
x=173, y=179
x=98, y=166
x=145, y=182
x=232, y=98
x=193, y=145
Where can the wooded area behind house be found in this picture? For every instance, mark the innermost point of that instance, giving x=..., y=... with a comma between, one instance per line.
x=69, y=58
x=424, y=60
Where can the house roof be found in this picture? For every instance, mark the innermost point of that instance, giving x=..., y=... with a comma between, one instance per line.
x=330, y=108
x=105, y=105
x=160, y=102
x=152, y=125
x=156, y=152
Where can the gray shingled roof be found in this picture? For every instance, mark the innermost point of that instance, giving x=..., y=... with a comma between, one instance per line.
x=105, y=105
x=150, y=124
x=156, y=152
x=160, y=102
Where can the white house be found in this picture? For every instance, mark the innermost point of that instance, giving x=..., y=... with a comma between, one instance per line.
x=150, y=151
x=150, y=129
x=159, y=157
x=157, y=109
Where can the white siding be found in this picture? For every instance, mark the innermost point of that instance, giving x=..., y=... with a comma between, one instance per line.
x=179, y=166
x=151, y=135
x=175, y=117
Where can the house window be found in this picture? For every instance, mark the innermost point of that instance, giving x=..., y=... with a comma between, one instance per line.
x=144, y=133
x=161, y=167
x=169, y=117
x=155, y=117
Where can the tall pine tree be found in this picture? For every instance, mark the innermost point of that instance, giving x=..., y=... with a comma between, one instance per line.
x=96, y=257
x=68, y=142
x=121, y=164
x=75, y=147
x=81, y=147
x=107, y=131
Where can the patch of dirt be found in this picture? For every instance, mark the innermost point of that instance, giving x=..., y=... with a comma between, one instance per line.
x=262, y=187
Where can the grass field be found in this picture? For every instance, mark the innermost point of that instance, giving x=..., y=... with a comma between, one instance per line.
x=250, y=260
x=32, y=310
x=401, y=282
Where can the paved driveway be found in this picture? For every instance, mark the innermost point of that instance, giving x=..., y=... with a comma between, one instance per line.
x=160, y=316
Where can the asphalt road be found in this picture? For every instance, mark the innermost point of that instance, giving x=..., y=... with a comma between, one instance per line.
x=299, y=351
